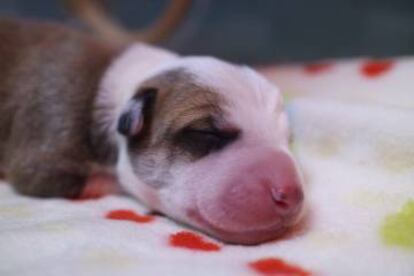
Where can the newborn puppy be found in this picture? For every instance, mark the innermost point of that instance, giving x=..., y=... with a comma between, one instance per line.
x=198, y=139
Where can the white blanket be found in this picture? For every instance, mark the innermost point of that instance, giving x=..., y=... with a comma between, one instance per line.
x=353, y=129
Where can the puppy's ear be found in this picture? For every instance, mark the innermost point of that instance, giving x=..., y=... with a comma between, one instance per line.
x=137, y=112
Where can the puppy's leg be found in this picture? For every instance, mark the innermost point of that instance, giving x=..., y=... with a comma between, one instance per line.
x=100, y=184
x=52, y=176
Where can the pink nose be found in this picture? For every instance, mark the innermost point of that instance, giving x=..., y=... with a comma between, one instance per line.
x=284, y=185
x=287, y=198
x=263, y=198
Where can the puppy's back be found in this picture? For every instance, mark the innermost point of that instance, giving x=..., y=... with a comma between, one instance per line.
x=48, y=81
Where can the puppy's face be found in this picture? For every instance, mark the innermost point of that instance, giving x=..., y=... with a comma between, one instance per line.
x=206, y=143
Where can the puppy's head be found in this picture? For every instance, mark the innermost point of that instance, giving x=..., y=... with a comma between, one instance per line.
x=206, y=142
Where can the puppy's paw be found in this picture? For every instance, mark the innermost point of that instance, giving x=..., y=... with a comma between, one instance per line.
x=99, y=185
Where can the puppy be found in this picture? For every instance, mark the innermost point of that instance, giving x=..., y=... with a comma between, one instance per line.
x=198, y=139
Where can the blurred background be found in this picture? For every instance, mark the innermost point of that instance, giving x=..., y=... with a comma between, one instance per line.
x=263, y=31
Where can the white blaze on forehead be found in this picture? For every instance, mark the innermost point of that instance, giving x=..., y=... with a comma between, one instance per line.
x=252, y=103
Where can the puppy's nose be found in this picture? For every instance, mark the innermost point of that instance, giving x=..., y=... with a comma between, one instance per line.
x=284, y=185
x=287, y=198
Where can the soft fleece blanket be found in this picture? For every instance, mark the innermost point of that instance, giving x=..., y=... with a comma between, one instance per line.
x=353, y=129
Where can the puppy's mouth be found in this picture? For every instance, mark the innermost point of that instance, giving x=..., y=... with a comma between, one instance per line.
x=251, y=236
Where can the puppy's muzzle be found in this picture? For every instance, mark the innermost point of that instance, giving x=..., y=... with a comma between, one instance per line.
x=257, y=202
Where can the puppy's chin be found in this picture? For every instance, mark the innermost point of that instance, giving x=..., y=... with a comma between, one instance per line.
x=224, y=229
x=246, y=236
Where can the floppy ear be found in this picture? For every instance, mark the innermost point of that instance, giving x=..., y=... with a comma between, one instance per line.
x=137, y=112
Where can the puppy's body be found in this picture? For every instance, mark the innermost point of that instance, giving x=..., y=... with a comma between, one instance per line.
x=199, y=139
x=48, y=84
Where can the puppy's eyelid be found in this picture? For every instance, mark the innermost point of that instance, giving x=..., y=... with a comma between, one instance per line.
x=201, y=124
x=205, y=132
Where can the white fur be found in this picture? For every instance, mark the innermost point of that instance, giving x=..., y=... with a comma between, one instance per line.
x=254, y=105
x=251, y=104
x=246, y=91
x=121, y=80
x=118, y=85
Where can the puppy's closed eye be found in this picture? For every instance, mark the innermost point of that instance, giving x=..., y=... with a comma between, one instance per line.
x=200, y=142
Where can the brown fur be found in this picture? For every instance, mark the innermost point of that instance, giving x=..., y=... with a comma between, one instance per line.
x=48, y=82
x=49, y=139
x=181, y=109
x=180, y=102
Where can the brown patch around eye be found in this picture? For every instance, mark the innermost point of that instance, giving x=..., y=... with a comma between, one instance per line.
x=185, y=125
x=180, y=101
x=182, y=126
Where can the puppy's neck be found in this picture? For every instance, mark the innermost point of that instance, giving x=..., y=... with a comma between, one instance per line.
x=119, y=83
